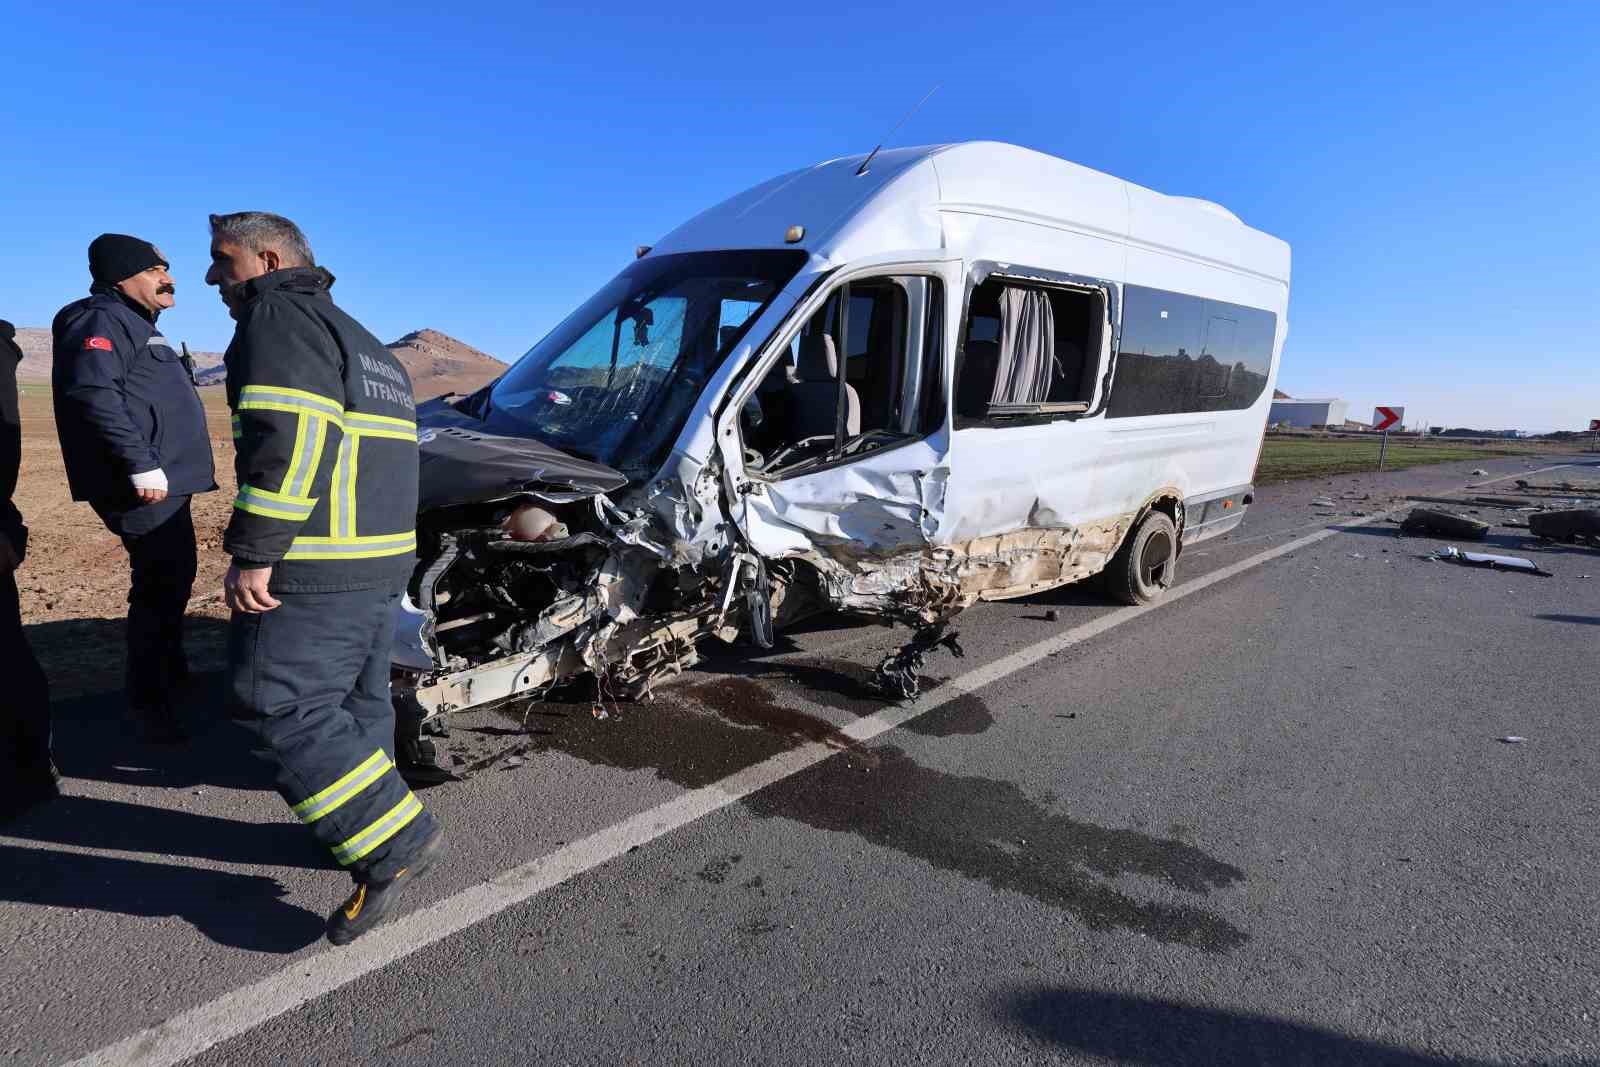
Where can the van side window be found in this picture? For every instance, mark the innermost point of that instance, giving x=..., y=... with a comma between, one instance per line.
x=802, y=416
x=1029, y=351
x=1182, y=353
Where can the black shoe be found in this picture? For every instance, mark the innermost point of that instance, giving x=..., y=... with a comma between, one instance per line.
x=159, y=723
x=373, y=902
x=29, y=789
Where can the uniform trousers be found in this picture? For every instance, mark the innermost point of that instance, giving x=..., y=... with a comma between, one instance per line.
x=310, y=680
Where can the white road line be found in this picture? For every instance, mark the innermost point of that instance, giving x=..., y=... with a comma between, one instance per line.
x=242, y=1010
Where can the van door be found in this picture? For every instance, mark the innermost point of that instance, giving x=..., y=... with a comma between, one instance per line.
x=837, y=442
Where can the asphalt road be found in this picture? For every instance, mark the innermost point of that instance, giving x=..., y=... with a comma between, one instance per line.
x=1269, y=822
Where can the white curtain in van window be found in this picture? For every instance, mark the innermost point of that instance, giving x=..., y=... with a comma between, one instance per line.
x=1027, y=348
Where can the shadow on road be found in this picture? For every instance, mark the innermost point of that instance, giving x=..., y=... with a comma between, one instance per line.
x=240, y=911
x=89, y=822
x=1580, y=620
x=1144, y=1030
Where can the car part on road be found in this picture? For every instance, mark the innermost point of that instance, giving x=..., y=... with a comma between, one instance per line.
x=1444, y=524
x=1579, y=525
x=1484, y=559
x=899, y=676
x=1146, y=565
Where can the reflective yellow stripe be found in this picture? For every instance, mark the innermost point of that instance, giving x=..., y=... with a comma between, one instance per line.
x=320, y=439
x=371, y=547
x=274, y=505
x=282, y=398
x=294, y=454
x=360, y=420
x=332, y=798
x=379, y=830
x=238, y=432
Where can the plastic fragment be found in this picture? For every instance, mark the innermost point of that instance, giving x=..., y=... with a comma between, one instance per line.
x=1512, y=739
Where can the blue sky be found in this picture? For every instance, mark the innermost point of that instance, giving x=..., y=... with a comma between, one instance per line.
x=481, y=168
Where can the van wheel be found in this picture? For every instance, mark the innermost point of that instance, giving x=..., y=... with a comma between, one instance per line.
x=1146, y=564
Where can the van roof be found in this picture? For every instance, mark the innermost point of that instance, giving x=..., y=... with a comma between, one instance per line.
x=906, y=196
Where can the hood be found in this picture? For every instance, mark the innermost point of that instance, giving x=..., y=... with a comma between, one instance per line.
x=463, y=464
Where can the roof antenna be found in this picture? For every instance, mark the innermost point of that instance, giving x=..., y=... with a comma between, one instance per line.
x=863, y=168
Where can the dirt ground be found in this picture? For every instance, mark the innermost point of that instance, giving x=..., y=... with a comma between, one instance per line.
x=74, y=583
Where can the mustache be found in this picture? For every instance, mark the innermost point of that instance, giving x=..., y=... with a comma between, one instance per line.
x=167, y=289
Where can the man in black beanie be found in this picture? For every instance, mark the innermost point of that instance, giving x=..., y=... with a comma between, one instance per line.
x=133, y=434
x=27, y=776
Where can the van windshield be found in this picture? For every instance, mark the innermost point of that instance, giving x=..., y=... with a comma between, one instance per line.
x=616, y=380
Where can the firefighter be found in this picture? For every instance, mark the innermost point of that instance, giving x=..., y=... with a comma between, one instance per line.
x=134, y=438
x=323, y=540
x=27, y=775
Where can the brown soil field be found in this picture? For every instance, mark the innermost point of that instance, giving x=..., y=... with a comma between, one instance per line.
x=74, y=583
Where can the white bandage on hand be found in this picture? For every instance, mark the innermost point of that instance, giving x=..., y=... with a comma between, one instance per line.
x=156, y=479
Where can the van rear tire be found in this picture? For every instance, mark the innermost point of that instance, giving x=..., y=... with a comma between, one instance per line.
x=1146, y=564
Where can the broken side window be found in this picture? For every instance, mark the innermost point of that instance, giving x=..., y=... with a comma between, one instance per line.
x=851, y=384
x=1029, y=350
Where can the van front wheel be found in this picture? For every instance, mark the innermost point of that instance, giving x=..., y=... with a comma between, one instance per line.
x=1146, y=564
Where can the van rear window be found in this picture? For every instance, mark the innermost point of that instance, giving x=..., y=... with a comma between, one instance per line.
x=1183, y=353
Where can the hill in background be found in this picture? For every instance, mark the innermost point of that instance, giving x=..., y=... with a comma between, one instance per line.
x=437, y=362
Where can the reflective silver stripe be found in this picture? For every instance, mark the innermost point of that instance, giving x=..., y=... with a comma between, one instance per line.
x=259, y=394
x=310, y=438
x=366, y=546
x=344, y=522
x=277, y=501
x=358, y=421
x=389, y=824
x=159, y=341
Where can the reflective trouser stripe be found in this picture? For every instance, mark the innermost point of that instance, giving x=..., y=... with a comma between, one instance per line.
x=237, y=431
x=332, y=798
x=379, y=830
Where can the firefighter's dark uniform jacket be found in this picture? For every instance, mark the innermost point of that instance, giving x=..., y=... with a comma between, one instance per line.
x=125, y=402
x=326, y=442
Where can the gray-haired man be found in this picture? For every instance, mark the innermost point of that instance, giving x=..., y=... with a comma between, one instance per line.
x=323, y=539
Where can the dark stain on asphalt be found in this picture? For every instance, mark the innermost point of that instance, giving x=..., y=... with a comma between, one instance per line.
x=966, y=714
x=988, y=830
x=745, y=702
x=716, y=872
x=679, y=741
x=981, y=828
x=411, y=1038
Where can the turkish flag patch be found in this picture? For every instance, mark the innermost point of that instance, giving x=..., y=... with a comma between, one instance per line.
x=101, y=343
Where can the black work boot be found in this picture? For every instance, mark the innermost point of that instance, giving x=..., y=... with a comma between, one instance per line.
x=158, y=722
x=373, y=902
x=30, y=787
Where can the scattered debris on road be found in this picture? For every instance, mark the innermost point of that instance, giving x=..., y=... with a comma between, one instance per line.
x=1512, y=739
x=1323, y=502
x=899, y=675
x=1453, y=554
x=1445, y=524
x=1052, y=615
x=1579, y=525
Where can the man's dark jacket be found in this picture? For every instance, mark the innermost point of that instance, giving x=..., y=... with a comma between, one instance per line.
x=325, y=442
x=125, y=403
x=10, y=440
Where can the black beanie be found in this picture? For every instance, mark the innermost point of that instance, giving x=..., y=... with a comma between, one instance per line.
x=114, y=257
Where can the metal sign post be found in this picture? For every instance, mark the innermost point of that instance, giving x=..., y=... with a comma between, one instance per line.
x=1382, y=419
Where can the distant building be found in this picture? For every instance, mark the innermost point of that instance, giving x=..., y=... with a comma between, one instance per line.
x=1304, y=414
